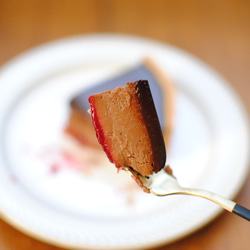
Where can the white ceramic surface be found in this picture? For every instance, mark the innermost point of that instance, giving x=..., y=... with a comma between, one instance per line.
x=49, y=195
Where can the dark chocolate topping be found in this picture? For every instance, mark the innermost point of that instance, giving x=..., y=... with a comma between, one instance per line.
x=152, y=123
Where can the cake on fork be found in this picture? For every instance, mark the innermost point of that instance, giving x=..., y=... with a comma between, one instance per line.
x=128, y=128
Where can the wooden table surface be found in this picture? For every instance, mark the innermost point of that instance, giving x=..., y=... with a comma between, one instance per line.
x=217, y=32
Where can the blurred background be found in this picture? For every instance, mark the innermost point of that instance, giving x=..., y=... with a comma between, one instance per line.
x=217, y=32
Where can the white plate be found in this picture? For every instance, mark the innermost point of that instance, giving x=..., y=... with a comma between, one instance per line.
x=100, y=208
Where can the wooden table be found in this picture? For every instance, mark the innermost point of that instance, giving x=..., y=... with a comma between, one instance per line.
x=218, y=32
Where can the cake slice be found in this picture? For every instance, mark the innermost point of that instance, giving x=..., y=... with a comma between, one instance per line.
x=79, y=125
x=128, y=128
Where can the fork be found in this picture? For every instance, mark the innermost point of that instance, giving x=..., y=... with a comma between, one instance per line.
x=163, y=184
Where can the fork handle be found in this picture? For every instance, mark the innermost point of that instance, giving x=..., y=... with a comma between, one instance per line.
x=229, y=205
x=241, y=211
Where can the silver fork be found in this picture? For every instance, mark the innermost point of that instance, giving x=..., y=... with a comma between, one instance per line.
x=163, y=184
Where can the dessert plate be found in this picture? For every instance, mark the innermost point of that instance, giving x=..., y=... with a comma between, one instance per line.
x=74, y=197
